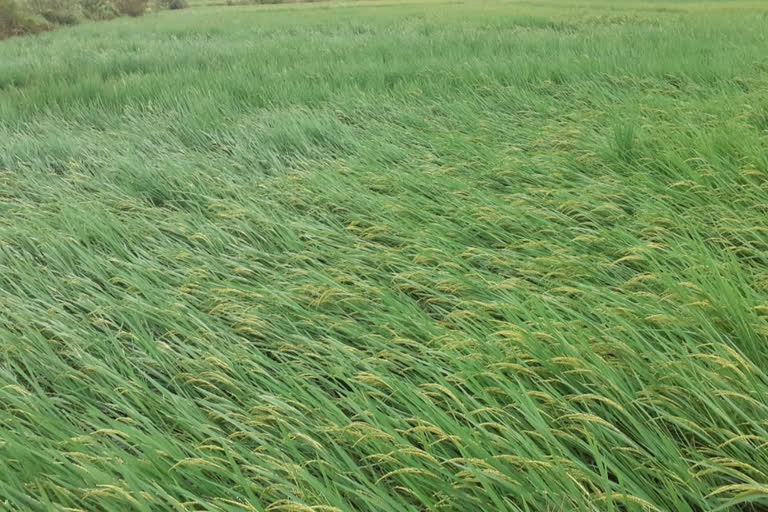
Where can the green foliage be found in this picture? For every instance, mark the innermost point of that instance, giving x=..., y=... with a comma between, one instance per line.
x=9, y=18
x=131, y=7
x=99, y=9
x=624, y=141
x=172, y=4
x=15, y=21
x=249, y=2
x=31, y=16
x=387, y=256
x=58, y=12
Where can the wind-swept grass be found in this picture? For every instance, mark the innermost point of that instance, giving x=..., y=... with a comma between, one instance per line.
x=387, y=257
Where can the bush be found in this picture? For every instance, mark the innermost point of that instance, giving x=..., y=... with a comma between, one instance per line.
x=15, y=22
x=99, y=9
x=172, y=4
x=9, y=18
x=58, y=12
x=19, y=17
x=131, y=7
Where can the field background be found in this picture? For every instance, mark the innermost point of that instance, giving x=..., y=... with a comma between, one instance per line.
x=387, y=256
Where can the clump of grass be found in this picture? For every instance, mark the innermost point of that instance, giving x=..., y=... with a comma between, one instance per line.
x=387, y=258
x=624, y=141
x=759, y=118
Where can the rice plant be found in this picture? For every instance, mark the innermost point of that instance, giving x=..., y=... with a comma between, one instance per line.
x=387, y=256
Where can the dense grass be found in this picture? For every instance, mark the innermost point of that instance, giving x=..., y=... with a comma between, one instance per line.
x=387, y=257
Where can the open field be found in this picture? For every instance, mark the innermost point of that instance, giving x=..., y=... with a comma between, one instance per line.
x=387, y=256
